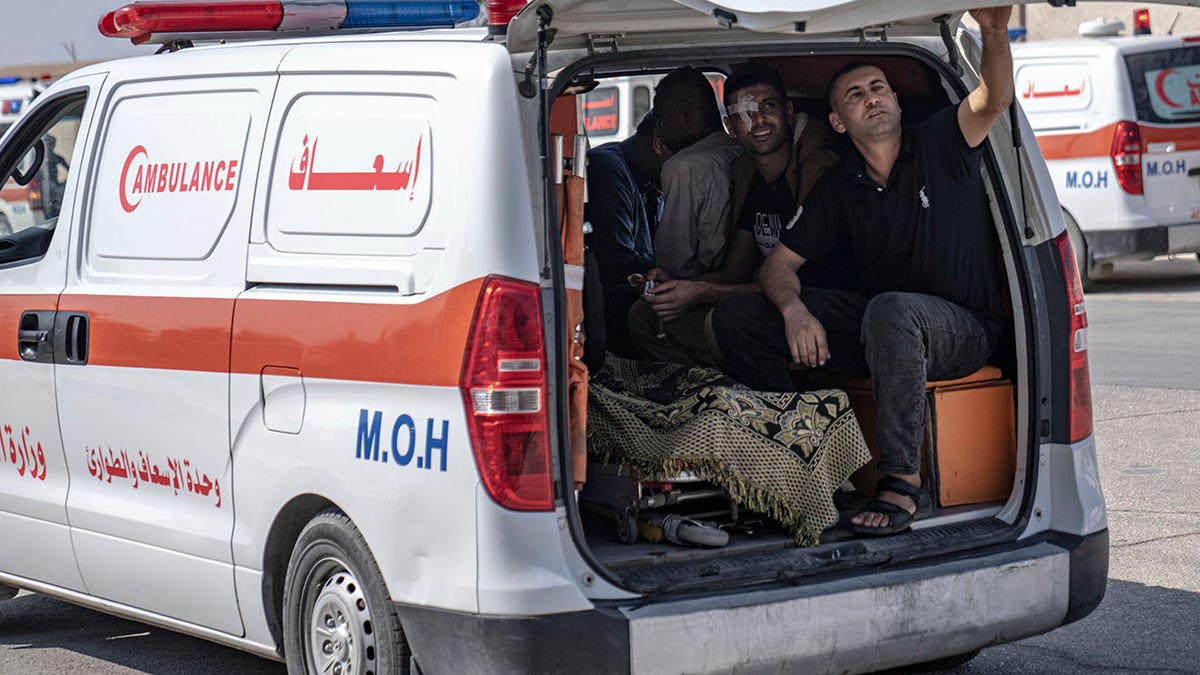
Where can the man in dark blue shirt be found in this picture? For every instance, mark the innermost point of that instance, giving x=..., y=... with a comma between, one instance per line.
x=912, y=205
x=623, y=180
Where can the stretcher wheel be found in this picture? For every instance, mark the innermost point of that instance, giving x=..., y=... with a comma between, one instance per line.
x=627, y=527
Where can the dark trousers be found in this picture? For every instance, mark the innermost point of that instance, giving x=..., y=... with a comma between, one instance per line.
x=902, y=340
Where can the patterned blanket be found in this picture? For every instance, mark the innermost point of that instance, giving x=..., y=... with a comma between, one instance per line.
x=783, y=454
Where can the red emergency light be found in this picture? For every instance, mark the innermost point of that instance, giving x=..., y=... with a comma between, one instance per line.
x=500, y=12
x=139, y=21
x=1141, y=21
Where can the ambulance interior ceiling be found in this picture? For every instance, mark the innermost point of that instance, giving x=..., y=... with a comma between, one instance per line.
x=807, y=78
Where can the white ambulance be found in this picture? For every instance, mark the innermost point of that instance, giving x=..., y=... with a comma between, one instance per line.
x=289, y=364
x=1118, y=122
x=611, y=111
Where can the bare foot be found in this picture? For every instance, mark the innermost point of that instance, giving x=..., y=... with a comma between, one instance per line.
x=873, y=519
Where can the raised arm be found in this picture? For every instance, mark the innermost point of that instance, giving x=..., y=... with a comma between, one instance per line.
x=991, y=98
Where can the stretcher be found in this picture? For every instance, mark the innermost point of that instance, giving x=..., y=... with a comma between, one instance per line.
x=684, y=509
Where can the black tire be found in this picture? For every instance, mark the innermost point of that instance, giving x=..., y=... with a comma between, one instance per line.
x=1083, y=257
x=701, y=535
x=338, y=617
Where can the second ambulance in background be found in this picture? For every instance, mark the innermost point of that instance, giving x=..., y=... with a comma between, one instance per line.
x=1118, y=121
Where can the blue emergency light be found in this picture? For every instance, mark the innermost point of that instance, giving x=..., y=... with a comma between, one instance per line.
x=10, y=80
x=139, y=21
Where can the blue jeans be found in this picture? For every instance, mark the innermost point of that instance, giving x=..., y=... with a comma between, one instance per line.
x=902, y=340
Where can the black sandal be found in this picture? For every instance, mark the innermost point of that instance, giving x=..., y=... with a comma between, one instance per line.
x=899, y=518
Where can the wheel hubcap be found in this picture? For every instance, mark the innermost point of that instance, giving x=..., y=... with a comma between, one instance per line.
x=340, y=639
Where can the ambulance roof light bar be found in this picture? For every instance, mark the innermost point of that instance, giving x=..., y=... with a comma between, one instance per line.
x=143, y=21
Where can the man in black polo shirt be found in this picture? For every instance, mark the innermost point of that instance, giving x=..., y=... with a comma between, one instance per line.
x=911, y=202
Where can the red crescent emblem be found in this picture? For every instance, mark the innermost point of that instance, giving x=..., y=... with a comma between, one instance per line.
x=125, y=203
x=1158, y=87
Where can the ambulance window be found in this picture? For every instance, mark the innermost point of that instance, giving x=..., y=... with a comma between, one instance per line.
x=1165, y=85
x=38, y=168
x=641, y=102
x=171, y=170
x=352, y=172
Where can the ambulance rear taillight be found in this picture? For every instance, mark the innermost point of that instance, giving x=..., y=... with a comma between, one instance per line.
x=504, y=390
x=140, y=21
x=1080, y=378
x=1127, y=156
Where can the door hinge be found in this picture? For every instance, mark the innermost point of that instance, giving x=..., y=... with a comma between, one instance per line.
x=603, y=42
x=878, y=32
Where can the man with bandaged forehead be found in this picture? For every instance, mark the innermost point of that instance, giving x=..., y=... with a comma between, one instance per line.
x=785, y=153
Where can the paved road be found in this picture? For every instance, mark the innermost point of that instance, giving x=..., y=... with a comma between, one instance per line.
x=1144, y=336
x=1146, y=391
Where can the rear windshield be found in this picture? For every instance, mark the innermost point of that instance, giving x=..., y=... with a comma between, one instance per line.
x=1166, y=85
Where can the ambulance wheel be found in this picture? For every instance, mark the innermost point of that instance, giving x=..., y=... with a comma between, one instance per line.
x=627, y=527
x=338, y=618
x=1083, y=257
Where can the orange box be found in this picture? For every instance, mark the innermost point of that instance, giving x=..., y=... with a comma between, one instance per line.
x=969, y=452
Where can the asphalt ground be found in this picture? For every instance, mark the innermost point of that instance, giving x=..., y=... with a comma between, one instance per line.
x=1144, y=339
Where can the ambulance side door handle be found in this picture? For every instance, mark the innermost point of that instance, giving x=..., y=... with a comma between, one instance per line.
x=35, y=335
x=71, y=336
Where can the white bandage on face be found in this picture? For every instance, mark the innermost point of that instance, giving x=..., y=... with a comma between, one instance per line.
x=744, y=106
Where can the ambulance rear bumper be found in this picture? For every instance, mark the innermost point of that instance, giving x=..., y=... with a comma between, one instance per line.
x=857, y=624
x=1146, y=242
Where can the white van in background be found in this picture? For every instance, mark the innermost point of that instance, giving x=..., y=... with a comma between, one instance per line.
x=611, y=112
x=21, y=206
x=16, y=93
x=1118, y=121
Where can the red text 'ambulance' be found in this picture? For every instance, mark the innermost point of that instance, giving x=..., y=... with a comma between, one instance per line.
x=140, y=177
